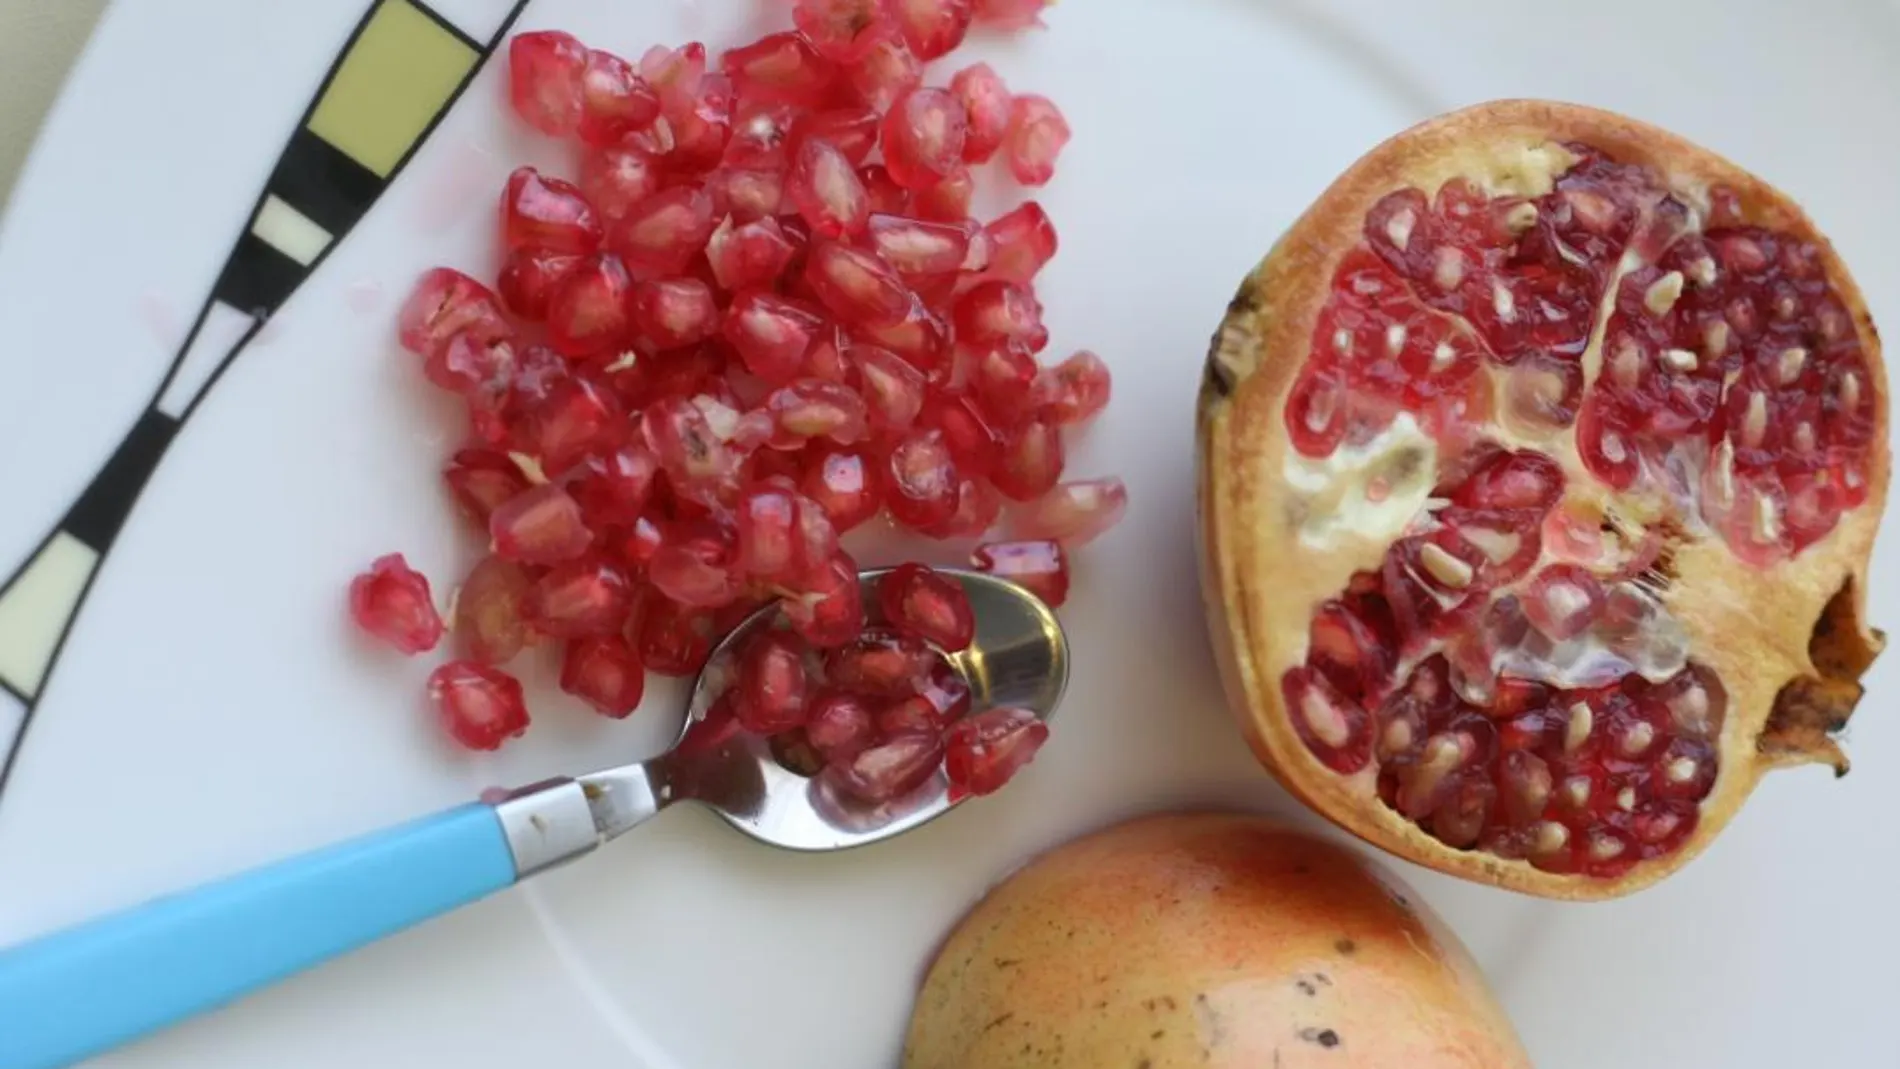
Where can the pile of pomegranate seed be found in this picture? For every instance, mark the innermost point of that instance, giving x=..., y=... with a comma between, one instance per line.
x=1510, y=669
x=757, y=317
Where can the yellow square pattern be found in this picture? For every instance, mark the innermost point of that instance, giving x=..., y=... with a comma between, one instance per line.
x=398, y=75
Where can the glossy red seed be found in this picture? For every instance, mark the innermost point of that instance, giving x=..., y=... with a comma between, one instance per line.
x=882, y=192
x=842, y=482
x=480, y=480
x=923, y=137
x=1074, y=391
x=548, y=213
x=815, y=408
x=881, y=664
x=782, y=67
x=893, y=390
x=772, y=334
x=933, y=28
x=771, y=688
x=606, y=673
x=765, y=522
x=675, y=74
x=392, y=602
x=744, y=196
x=617, y=177
x=1037, y=135
x=888, y=70
x=978, y=507
x=672, y=313
x=700, y=133
x=927, y=254
x=986, y=751
x=696, y=566
x=578, y=416
x=1040, y=566
x=1003, y=380
x=475, y=369
x=921, y=480
x=615, y=100
x=844, y=30
x=1563, y=601
x=1021, y=243
x=852, y=129
x=444, y=303
x=546, y=70
x=541, y=526
x=580, y=599
x=922, y=338
x=828, y=610
x=698, y=463
x=857, y=286
x=889, y=770
x=1074, y=513
x=986, y=105
x=915, y=715
x=528, y=278
x=824, y=187
x=935, y=608
x=490, y=623
x=613, y=488
x=1512, y=480
x=972, y=441
x=748, y=255
x=1011, y=14
x=1334, y=727
x=480, y=707
x=1029, y=462
x=1001, y=313
x=947, y=201
x=587, y=309
x=673, y=640
x=661, y=235
x=840, y=725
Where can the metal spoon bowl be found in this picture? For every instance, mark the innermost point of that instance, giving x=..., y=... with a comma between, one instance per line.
x=82, y=991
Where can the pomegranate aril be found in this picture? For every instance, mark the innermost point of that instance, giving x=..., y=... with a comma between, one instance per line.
x=986, y=751
x=1001, y=313
x=528, y=279
x=1004, y=379
x=546, y=75
x=1334, y=727
x=1685, y=770
x=613, y=488
x=986, y=105
x=542, y=525
x=748, y=255
x=615, y=100
x=672, y=314
x=771, y=688
x=844, y=30
x=617, y=177
x=927, y=254
x=587, y=309
x=675, y=74
x=922, y=338
x=1524, y=786
x=771, y=334
x=1074, y=391
x=445, y=303
x=580, y=599
x=479, y=706
x=1040, y=566
x=828, y=611
x=392, y=602
x=857, y=285
x=698, y=463
x=1563, y=601
x=933, y=28
x=815, y=408
x=972, y=441
x=780, y=67
x=660, y=235
x=578, y=416
x=480, y=480
x=887, y=71
x=475, y=369
x=1512, y=480
x=892, y=389
x=1074, y=513
x=840, y=725
x=881, y=664
x=882, y=192
x=673, y=640
x=490, y=625
x=922, y=603
x=842, y=482
x=889, y=770
x=922, y=483
x=696, y=566
x=825, y=189
x=946, y=201
x=1036, y=136
x=606, y=673
x=700, y=134
x=1350, y=644
x=923, y=136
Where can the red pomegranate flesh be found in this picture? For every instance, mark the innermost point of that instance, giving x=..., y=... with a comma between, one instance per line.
x=1541, y=465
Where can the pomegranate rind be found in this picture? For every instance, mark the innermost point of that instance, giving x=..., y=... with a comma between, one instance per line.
x=1759, y=628
x=1205, y=939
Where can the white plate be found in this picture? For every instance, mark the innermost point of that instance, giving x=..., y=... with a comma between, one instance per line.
x=211, y=710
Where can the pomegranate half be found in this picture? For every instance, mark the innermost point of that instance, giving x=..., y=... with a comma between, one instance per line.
x=1540, y=466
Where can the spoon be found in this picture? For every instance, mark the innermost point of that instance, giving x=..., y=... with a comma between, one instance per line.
x=81, y=991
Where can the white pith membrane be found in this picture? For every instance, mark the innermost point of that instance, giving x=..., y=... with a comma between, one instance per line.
x=1652, y=374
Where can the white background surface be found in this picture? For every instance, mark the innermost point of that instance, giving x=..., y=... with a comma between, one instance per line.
x=212, y=711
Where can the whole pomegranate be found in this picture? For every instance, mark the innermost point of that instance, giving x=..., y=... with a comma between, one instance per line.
x=1541, y=462
x=1205, y=940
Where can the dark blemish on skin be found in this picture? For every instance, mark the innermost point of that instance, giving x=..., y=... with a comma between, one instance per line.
x=1217, y=379
x=1145, y=1063
x=1346, y=947
x=1008, y=963
x=1325, y=1037
x=1323, y=978
x=1157, y=1033
x=1306, y=987
x=1212, y=1024
x=999, y=1022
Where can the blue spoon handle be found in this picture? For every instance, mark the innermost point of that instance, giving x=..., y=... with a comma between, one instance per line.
x=84, y=990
